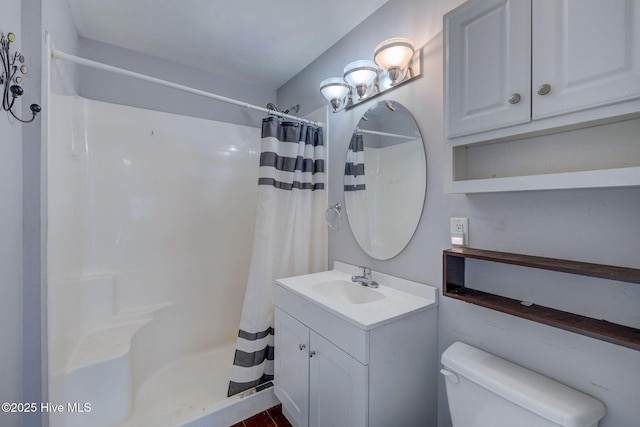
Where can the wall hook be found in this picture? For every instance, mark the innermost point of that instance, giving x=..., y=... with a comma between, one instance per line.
x=337, y=208
x=10, y=79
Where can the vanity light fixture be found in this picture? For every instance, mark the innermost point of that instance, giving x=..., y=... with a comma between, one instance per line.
x=361, y=75
x=396, y=62
x=10, y=79
x=394, y=56
x=336, y=91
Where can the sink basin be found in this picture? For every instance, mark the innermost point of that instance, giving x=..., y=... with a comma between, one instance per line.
x=332, y=293
x=349, y=292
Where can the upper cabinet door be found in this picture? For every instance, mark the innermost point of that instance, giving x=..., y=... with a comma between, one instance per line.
x=488, y=65
x=586, y=52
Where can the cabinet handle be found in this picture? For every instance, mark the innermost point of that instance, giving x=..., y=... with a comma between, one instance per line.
x=301, y=346
x=312, y=353
x=544, y=89
x=514, y=98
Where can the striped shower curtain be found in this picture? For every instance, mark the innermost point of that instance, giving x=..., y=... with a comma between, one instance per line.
x=290, y=238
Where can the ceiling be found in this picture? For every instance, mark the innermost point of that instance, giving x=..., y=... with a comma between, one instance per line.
x=261, y=41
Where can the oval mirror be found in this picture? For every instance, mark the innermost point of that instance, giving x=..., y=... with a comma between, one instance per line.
x=385, y=180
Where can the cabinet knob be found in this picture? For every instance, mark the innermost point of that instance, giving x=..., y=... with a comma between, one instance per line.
x=302, y=346
x=544, y=89
x=312, y=353
x=514, y=98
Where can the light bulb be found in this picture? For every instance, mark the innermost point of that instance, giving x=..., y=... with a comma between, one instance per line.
x=393, y=56
x=361, y=75
x=335, y=90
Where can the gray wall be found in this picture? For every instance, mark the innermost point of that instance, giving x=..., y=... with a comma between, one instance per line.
x=588, y=225
x=10, y=241
x=34, y=353
x=109, y=87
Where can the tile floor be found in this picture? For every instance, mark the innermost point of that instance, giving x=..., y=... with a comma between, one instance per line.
x=270, y=418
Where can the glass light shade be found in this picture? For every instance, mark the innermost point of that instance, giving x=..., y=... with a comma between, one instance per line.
x=334, y=88
x=360, y=73
x=394, y=53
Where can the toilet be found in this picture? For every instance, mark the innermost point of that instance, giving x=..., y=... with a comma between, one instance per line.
x=486, y=391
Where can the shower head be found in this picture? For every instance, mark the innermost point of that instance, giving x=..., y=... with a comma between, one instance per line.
x=292, y=109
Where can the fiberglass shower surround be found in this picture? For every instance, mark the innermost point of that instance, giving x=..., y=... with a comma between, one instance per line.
x=142, y=205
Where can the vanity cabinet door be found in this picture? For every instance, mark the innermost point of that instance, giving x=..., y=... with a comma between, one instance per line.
x=487, y=66
x=291, y=367
x=339, y=392
x=587, y=52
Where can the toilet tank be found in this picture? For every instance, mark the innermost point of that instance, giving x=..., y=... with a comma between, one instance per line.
x=486, y=391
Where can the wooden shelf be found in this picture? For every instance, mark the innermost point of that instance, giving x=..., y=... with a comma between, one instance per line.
x=454, y=287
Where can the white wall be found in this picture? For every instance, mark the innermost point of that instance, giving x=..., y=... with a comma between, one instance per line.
x=10, y=241
x=588, y=225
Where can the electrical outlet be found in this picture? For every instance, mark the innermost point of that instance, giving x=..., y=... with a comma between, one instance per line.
x=459, y=225
x=459, y=231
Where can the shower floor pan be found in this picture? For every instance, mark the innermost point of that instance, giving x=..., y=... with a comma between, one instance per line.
x=130, y=374
x=193, y=393
x=189, y=393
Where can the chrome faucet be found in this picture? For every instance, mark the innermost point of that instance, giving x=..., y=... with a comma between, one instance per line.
x=365, y=279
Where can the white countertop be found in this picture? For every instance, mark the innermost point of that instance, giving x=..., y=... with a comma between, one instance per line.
x=401, y=297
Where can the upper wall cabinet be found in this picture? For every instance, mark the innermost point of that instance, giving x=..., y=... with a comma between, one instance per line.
x=520, y=68
x=513, y=61
x=586, y=54
x=488, y=75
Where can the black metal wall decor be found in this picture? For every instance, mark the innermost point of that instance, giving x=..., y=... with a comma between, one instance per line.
x=10, y=79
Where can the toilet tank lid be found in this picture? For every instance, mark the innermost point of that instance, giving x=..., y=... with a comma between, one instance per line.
x=536, y=393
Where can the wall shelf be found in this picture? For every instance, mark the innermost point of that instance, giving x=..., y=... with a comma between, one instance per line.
x=454, y=287
x=620, y=177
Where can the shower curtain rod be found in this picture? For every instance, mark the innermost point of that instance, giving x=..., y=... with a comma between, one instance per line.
x=58, y=54
x=392, y=135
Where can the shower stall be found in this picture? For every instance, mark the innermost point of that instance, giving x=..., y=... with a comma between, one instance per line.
x=150, y=228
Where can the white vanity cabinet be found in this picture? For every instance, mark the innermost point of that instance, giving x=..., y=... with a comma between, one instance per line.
x=376, y=368
x=522, y=69
x=318, y=383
